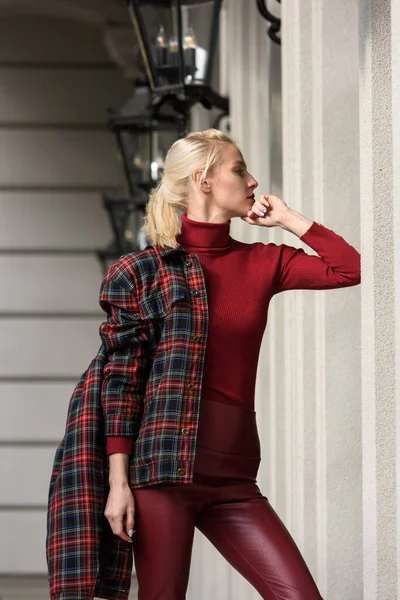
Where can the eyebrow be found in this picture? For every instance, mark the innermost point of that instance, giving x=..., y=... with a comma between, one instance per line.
x=241, y=163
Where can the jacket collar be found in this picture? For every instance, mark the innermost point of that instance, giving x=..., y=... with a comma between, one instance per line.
x=163, y=252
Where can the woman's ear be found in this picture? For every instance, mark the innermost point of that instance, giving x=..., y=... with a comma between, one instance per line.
x=201, y=184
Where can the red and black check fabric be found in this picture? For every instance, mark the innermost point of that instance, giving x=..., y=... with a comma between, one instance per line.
x=116, y=397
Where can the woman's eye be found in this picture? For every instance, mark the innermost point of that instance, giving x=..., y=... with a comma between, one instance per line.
x=240, y=171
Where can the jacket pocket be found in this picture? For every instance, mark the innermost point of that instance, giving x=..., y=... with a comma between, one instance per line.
x=158, y=303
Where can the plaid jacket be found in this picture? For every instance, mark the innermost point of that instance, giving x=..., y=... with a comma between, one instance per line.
x=117, y=396
x=145, y=382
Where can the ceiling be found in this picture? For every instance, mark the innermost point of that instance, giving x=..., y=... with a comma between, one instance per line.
x=111, y=16
x=93, y=12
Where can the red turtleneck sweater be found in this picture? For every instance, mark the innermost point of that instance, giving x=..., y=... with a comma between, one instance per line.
x=240, y=281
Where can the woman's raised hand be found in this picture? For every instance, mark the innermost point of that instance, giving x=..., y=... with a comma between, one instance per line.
x=268, y=211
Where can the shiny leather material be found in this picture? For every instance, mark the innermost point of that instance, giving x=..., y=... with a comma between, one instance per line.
x=227, y=506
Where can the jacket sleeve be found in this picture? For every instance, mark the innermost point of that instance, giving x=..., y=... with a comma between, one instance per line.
x=125, y=337
x=337, y=265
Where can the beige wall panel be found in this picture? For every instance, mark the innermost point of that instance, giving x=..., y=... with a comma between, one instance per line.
x=56, y=220
x=41, y=359
x=50, y=40
x=22, y=541
x=58, y=158
x=72, y=96
x=34, y=411
x=25, y=473
x=47, y=347
x=50, y=284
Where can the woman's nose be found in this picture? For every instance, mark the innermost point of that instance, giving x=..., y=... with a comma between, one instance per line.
x=253, y=183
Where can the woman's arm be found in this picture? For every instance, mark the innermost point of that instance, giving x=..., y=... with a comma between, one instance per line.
x=125, y=337
x=337, y=265
x=295, y=222
x=119, y=465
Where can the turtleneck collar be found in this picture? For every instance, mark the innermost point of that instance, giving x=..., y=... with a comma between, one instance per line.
x=201, y=234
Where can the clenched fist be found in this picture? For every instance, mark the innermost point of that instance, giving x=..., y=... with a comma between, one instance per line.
x=268, y=211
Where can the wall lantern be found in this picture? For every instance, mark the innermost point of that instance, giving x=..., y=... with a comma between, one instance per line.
x=143, y=141
x=125, y=226
x=274, y=28
x=178, y=42
x=143, y=137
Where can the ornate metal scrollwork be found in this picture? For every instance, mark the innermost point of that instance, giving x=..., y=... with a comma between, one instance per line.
x=275, y=27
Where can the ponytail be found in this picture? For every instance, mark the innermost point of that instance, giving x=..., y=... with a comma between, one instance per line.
x=161, y=219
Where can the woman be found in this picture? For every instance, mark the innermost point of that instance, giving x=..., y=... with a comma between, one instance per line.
x=178, y=395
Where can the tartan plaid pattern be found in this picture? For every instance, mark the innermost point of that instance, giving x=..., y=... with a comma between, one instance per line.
x=145, y=382
x=155, y=338
x=121, y=393
x=84, y=557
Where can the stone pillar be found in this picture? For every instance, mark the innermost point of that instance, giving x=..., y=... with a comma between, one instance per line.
x=244, y=75
x=379, y=58
x=318, y=484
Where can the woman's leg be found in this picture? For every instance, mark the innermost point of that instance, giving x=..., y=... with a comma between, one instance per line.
x=162, y=544
x=254, y=540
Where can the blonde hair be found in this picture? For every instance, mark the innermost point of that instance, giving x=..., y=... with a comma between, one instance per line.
x=201, y=150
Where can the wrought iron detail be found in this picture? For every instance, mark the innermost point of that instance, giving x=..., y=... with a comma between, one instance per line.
x=275, y=27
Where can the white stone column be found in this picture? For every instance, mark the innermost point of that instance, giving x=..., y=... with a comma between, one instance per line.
x=380, y=242
x=320, y=386
x=244, y=74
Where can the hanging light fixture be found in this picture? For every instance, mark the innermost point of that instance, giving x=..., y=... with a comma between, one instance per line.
x=143, y=137
x=178, y=41
x=125, y=216
x=143, y=143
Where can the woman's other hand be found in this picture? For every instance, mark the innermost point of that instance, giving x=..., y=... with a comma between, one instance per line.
x=120, y=507
x=120, y=511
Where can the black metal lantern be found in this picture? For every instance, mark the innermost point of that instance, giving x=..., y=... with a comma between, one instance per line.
x=125, y=215
x=178, y=41
x=144, y=136
x=143, y=140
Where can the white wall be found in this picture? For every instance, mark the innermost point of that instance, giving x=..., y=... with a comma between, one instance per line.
x=56, y=159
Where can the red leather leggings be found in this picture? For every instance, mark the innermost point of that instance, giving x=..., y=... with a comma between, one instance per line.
x=226, y=505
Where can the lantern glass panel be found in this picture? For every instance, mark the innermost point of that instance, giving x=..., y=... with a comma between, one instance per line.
x=162, y=22
x=145, y=154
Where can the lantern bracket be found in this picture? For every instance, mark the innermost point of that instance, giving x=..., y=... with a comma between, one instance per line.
x=182, y=98
x=274, y=28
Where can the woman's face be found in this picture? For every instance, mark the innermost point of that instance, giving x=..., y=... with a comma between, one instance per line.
x=232, y=186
